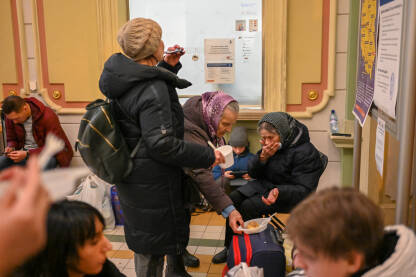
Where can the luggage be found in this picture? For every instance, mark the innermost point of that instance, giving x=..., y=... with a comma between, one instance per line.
x=115, y=202
x=261, y=249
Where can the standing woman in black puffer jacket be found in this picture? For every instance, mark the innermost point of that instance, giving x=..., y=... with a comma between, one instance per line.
x=141, y=83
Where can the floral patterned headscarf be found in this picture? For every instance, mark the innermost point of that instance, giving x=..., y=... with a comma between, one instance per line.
x=213, y=105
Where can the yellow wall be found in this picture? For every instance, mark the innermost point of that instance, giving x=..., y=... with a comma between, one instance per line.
x=304, y=42
x=8, y=69
x=72, y=42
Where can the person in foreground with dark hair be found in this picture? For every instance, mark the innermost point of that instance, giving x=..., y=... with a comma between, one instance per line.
x=28, y=121
x=76, y=245
x=340, y=232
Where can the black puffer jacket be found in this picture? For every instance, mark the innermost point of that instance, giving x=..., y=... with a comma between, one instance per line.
x=151, y=197
x=294, y=169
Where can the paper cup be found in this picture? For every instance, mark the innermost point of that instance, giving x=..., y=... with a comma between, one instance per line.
x=227, y=152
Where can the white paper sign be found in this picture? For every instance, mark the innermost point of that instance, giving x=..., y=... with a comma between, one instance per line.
x=380, y=137
x=388, y=58
x=219, y=61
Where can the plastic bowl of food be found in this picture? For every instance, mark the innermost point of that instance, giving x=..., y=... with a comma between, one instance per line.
x=254, y=226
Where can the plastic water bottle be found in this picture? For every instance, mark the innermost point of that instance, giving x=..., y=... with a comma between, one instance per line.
x=333, y=122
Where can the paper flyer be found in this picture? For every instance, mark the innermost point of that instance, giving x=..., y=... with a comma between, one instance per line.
x=388, y=58
x=219, y=61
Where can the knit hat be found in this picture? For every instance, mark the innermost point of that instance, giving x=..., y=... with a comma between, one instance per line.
x=239, y=137
x=139, y=38
x=282, y=122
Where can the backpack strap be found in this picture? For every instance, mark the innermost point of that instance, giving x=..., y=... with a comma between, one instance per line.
x=249, y=250
x=236, y=248
x=136, y=148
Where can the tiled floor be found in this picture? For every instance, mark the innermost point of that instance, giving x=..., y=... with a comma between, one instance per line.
x=206, y=239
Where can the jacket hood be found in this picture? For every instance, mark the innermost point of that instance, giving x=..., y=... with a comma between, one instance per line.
x=299, y=134
x=192, y=110
x=120, y=74
x=37, y=107
x=402, y=261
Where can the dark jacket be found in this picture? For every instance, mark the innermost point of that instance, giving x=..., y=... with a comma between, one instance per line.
x=196, y=131
x=294, y=169
x=44, y=121
x=109, y=270
x=147, y=108
x=240, y=164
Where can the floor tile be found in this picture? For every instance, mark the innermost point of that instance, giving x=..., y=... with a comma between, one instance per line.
x=214, y=275
x=216, y=268
x=124, y=246
x=214, y=229
x=197, y=228
x=130, y=264
x=203, y=267
x=198, y=274
x=129, y=272
x=219, y=249
x=204, y=258
x=192, y=249
x=123, y=254
x=211, y=235
x=196, y=235
x=120, y=263
x=205, y=250
x=116, y=245
x=110, y=254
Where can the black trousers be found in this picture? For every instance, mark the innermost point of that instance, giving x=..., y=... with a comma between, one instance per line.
x=249, y=208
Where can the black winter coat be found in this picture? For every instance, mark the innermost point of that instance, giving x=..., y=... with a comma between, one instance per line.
x=148, y=108
x=294, y=169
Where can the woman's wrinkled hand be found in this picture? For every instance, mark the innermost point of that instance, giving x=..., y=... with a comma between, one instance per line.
x=271, y=198
x=269, y=150
x=174, y=58
x=219, y=158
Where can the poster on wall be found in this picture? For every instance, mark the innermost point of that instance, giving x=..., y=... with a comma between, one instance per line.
x=388, y=56
x=367, y=59
x=219, y=61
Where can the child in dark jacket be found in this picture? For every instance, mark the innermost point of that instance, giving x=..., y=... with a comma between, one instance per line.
x=239, y=142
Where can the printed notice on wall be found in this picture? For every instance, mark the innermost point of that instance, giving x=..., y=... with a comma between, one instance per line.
x=388, y=58
x=219, y=61
x=380, y=137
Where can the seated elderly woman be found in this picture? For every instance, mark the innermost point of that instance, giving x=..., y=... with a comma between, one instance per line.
x=286, y=169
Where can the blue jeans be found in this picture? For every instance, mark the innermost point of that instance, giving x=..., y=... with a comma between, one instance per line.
x=6, y=162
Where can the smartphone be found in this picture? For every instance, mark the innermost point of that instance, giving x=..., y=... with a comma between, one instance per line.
x=177, y=50
x=238, y=174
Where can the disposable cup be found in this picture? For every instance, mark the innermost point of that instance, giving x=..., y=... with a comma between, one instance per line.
x=227, y=152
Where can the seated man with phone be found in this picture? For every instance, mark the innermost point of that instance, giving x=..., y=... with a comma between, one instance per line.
x=237, y=174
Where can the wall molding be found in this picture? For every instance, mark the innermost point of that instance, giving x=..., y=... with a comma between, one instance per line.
x=328, y=68
x=107, y=27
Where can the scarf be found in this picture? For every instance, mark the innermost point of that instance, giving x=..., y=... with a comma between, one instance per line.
x=213, y=105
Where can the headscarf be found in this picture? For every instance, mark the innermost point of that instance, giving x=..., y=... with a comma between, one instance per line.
x=213, y=106
x=283, y=123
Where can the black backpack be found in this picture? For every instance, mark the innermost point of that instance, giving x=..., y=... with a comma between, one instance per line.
x=102, y=145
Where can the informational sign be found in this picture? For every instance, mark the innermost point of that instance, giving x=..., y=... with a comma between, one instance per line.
x=388, y=58
x=367, y=59
x=219, y=61
x=380, y=139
